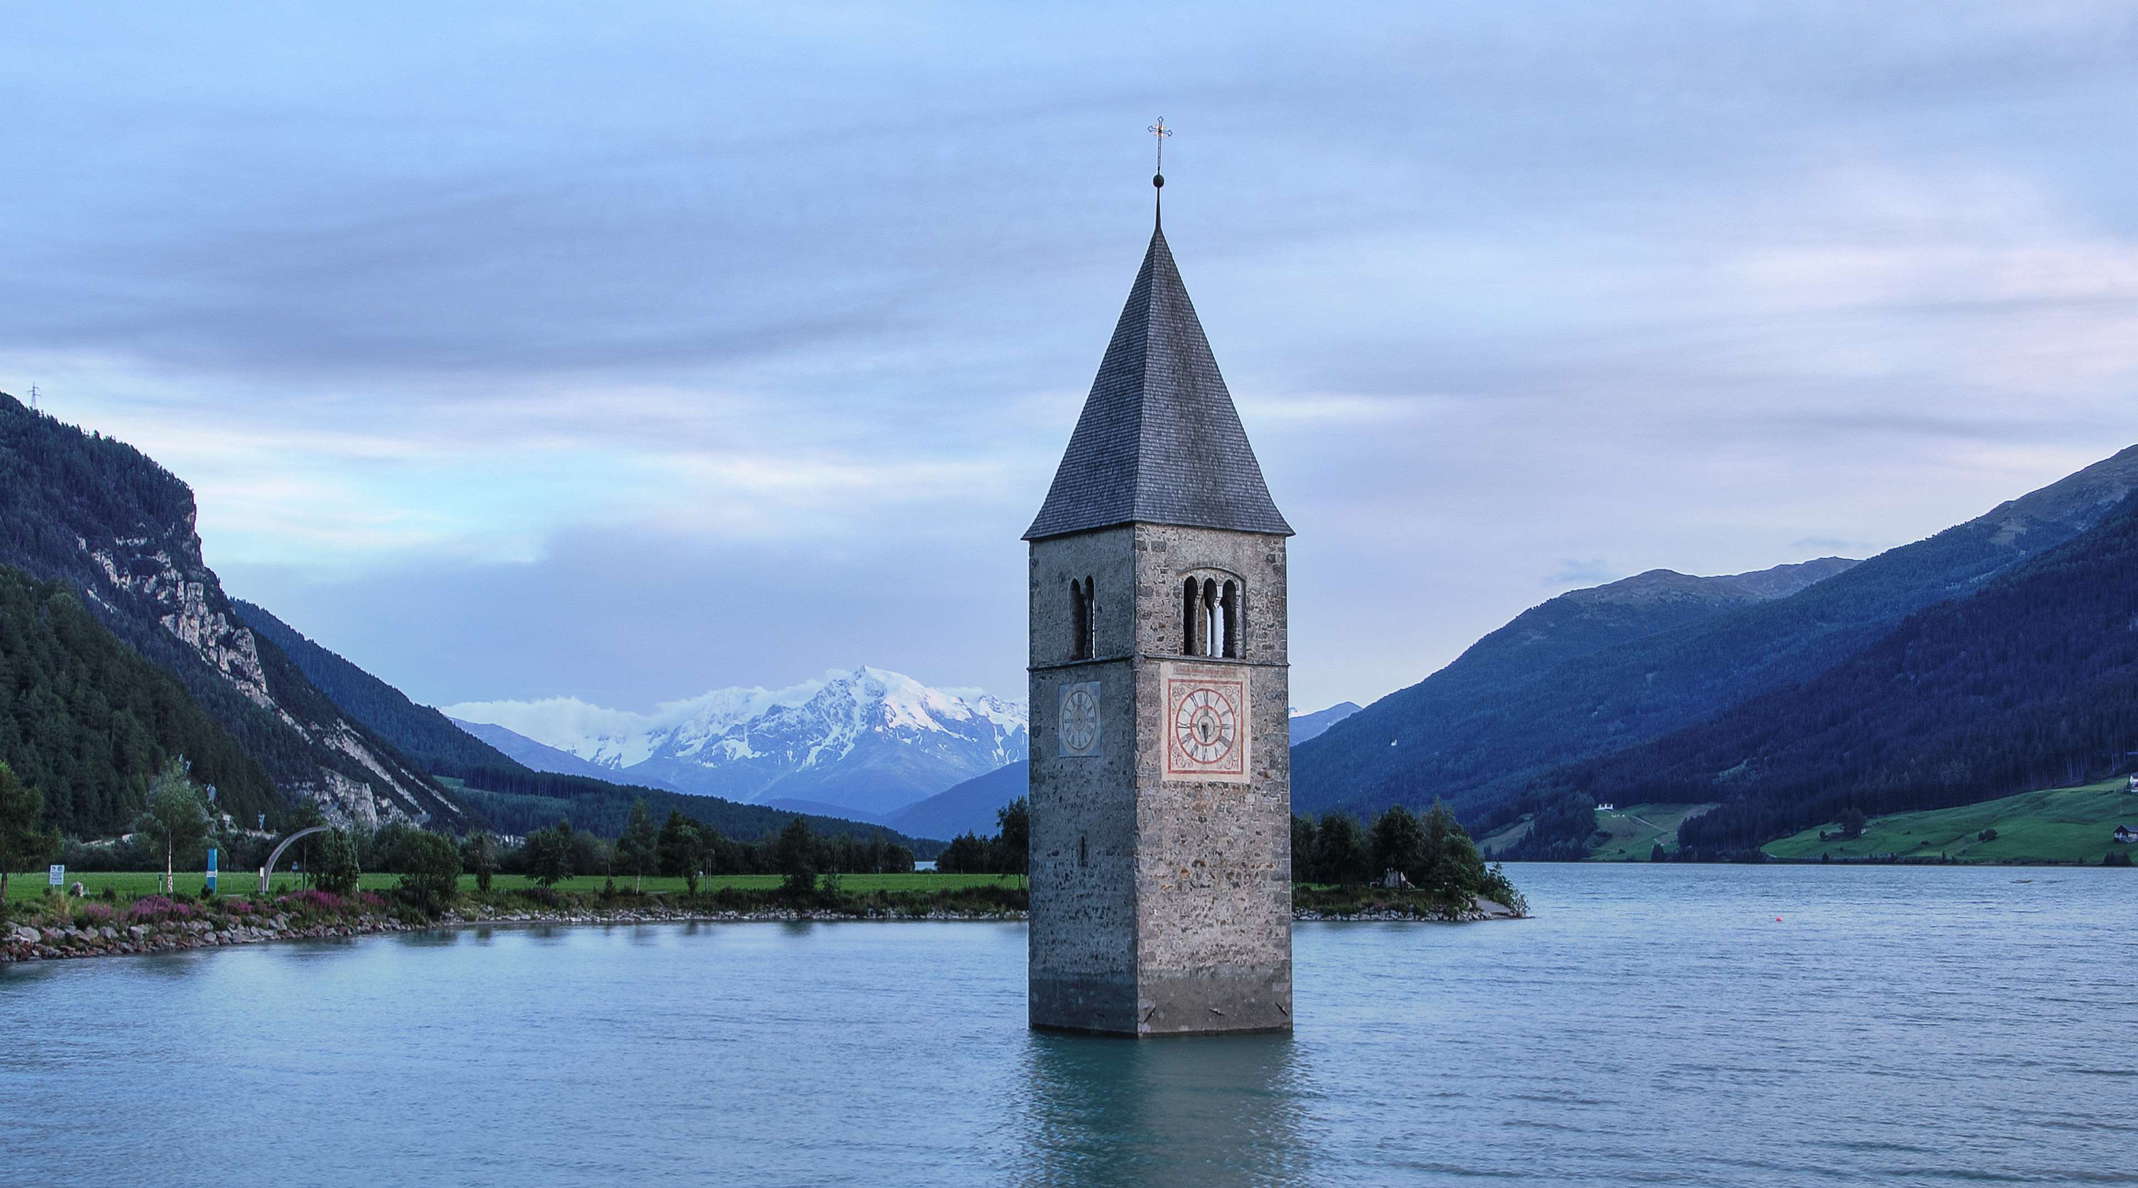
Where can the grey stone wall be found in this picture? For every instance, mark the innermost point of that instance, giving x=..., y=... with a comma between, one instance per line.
x=1157, y=906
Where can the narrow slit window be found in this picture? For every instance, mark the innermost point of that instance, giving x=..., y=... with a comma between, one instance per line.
x=1088, y=637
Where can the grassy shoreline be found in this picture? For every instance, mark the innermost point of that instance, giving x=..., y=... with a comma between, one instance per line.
x=55, y=927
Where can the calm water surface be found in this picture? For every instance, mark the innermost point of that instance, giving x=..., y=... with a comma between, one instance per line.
x=1652, y=1025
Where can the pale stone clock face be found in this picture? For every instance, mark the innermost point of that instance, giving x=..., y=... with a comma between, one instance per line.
x=1206, y=723
x=1079, y=722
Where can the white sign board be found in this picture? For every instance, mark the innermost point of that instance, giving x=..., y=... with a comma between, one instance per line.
x=58, y=875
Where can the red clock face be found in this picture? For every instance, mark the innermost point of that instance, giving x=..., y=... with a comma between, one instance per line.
x=1206, y=723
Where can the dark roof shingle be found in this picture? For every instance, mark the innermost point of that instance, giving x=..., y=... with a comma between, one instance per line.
x=1159, y=441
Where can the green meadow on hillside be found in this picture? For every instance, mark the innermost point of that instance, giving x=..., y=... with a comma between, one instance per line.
x=1636, y=830
x=2048, y=825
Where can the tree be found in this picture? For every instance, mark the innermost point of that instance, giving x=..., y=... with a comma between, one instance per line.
x=966, y=854
x=479, y=854
x=1852, y=822
x=176, y=819
x=1397, y=842
x=794, y=853
x=430, y=869
x=1656, y=854
x=679, y=851
x=22, y=843
x=339, y=866
x=1014, y=842
x=549, y=854
x=1451, y=862
x=1339, y=852
x=1302, y=849
x=635, y=849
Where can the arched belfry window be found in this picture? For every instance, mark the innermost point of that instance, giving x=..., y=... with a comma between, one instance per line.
x=1191, y=618
x=1211, y=620
x=1228, y=602
x=1083, y=619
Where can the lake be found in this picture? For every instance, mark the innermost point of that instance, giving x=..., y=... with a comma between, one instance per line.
x=1653, y=1024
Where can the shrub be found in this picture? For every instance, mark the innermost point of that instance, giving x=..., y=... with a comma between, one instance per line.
x=338, y=865
x=95, y=913
x=152, y=908
x=314, y=901
x=239, y=907
x=371, y=899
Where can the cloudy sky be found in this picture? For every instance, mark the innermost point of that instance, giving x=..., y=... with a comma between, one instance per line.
x=626, y=351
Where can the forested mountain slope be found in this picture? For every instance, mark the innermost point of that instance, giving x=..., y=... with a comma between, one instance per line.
x=114, y=527
x=1479, y=739
x=85, y=720
x=2030, y=682
x=422, y=733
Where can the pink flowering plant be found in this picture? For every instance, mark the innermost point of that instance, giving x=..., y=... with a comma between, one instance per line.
x=153, y=908
x=313, y=901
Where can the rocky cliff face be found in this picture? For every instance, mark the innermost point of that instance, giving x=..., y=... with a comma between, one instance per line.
x=106, y=520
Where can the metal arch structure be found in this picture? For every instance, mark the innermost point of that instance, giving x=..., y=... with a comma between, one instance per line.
x=269, y=869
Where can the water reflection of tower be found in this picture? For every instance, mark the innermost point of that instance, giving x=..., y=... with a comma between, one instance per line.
x=1222, y=1111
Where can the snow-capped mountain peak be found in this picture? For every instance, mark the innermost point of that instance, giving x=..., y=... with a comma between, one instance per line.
x=867, y=739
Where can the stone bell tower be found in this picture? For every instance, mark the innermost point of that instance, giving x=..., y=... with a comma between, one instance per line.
x=1161, y=769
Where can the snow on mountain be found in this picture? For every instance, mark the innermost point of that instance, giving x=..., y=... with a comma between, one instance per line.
x=867, y=740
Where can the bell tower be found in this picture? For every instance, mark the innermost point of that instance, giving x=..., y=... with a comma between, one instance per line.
x=1161, y=768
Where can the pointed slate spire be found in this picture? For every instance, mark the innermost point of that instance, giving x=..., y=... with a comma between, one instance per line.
x=1159, y=441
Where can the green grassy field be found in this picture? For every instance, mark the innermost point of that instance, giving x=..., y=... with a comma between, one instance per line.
x=133, y=884
x=1505, y=836
x=2049, y=825
x=1637, y=828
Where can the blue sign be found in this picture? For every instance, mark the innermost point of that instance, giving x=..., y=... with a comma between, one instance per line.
x=211, y=868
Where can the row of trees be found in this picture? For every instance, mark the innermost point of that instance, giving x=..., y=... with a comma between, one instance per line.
x=1432, y=851
x=686, y=848
x=1008, y=852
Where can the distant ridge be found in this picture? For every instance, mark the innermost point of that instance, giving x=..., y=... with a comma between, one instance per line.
x=1317, y=723
x=1592, y=673
x=535, y=756
x=2030, y=682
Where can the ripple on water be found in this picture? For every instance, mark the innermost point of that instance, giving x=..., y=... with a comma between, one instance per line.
x=1653, y=1025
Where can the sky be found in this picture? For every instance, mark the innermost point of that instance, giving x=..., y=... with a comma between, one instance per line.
x=624, y=352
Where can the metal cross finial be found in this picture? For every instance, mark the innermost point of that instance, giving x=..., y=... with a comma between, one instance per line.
x=1159, y=132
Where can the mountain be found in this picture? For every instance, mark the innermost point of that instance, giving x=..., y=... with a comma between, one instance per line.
x=530, y=754
x=422, y=733
x=868, y=740
x=2030, y=682
x=117, y=530
x=1598, y=674
x=969, y=807
x=502, y=793
x=85, y=720
x=1317, y=723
